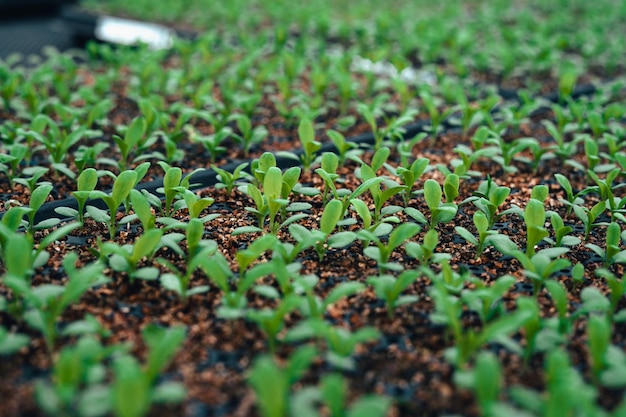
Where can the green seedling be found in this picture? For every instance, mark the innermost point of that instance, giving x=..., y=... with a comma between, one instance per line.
x=121, y=190
x=12, y=342
x=558, y=293
x=539, y=267
x=606, y=189
x=33, y=181
x=383, y=226
x=380, y=196
x=618, y=289
x=382, y=251
x=324, y=236
x=390, y=288
x=87, y=181
x=345, y=149
x=328, y=172
x=194, y=204
x=566, y=393
x=612, y=253
x=171, y=180
x=272, y=321
x=47, y=302
x=409, y=176
x=77, y=385
x=229, y=180
x=272, y=383
x=213, y=142
x=314, y=307
x=531, y=327
x=10, y=162
x=564, y=149
x=56, y=141
x=179, y=281
x=467, y=342
x=341, y=342
x=393, y=126
x=134, y=134
x=561, y=232
x=441, y=212
x=126, y=258
x=463, y=166
x=234, y=289
x=488, y=198
x=274, y=200
x=310, y=147
x=425, y=252
x=485, y=380
x=37, y=199
x=588, y=216
x=485, y=300
x=437, y=116
x=482, y=227
x=508, y=150
x=598, y=342
x=20, y=257
x=534, y=218
x=134, y=388
x=332, y=393
x=248, y=136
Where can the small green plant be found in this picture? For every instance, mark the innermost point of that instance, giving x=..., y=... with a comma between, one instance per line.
x=48, y=301
x=612, y=253
x=272, y=383
x=272, y=321
x=310, y=147
x=248, y=136
x=482, y=227
x=229, y=180
x=234, y=288
x=86, y=183
x=382, y=251
x=390, y=288
x=589, y=216
x=134, y=387
x=485, y=380
x=121, y=190
x=345, y=149
x=425, y=252
x=441, y=212
x=126, y=258
x=332, y=393
x=133, y=136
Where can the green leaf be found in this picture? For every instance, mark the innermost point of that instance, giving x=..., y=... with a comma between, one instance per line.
x=402, y=233
x=535, y=213
x=466, y=234
x=306, y=132
x=122, y=186
x=341, y=239
x=331, y=215
x=342, y=290
x=432, y=194
x=39, y=196
x=162, y=344
x=146, y=244
x=273, y=182
x=370, y=406
x=87, y=180
x=170, y=392
x=131, y=391
x=18, y=257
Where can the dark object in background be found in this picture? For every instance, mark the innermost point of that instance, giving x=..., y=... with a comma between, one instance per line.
x=26, y=26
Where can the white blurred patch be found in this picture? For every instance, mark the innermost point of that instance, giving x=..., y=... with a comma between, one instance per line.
x=409, y=75
x=129, y=32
